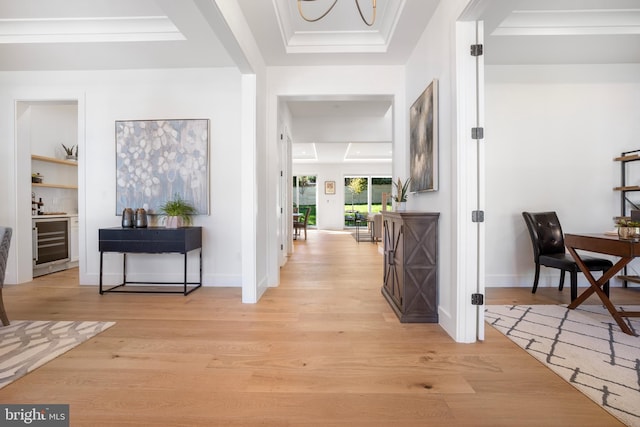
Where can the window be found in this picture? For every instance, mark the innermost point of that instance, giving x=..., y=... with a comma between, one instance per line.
x=304, y=195
x=363, y=194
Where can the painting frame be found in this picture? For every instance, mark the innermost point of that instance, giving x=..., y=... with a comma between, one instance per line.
x=159, y=159
x=423, y=140
x=329, y=187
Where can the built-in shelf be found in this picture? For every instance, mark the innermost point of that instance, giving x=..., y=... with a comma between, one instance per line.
x=54, y=160
x=58, y=162
x=627, y=188
x=41, y=184
x=628, y=158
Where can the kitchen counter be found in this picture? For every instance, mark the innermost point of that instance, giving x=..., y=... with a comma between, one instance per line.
x=54, y=216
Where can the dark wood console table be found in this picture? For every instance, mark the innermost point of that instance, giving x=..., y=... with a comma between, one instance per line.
x=152, y=240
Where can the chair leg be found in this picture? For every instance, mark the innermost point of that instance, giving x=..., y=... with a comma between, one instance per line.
x=535, y=279
x=3, y=313
x=561, y=284
x=606, y=285
x=305, y=233
x=574, y=285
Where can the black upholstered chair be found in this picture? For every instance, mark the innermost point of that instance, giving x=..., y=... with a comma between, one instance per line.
x=548, y=250
x=5, y=241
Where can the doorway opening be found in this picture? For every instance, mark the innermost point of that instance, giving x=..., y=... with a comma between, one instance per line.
x=47, y=137
x=305, y=196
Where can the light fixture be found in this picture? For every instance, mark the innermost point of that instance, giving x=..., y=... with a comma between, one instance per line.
x=373, y=17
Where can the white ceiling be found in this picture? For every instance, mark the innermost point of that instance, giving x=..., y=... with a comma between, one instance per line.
x=31, y=32
x=561, y=31
x=111, y=34
x=126, y=34
x=332, y=113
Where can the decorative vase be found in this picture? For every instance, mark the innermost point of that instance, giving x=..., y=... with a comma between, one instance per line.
x=400, y=206
x=628, y=233
x=173, y=222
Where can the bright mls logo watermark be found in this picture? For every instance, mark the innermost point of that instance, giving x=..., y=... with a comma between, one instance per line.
x=34, y=415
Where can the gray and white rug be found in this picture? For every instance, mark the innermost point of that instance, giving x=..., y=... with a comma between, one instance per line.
x=26, y=345
x=584, y=346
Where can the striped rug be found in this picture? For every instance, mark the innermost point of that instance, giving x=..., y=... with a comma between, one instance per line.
x=584, y=346
x=26, y=345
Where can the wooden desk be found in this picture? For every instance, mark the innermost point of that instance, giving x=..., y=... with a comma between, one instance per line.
x=152, y=240
x=627, y=250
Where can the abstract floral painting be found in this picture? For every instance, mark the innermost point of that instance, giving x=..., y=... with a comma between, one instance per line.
x=157, y=159
x=423, y=128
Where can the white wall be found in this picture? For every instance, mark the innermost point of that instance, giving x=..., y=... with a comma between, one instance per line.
x=144, y=94
x=434, y=57
x=257, y=270
x=330, y=207
x=56, y=124
x=551, y=134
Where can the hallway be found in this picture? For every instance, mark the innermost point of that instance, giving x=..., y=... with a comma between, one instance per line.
x=322, y=349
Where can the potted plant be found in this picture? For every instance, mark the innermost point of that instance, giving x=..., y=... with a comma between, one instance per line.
x=70, y=152
x=177, y=212
x=402, y=190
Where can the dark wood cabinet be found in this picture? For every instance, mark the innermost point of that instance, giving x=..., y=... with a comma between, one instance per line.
x=411, y=265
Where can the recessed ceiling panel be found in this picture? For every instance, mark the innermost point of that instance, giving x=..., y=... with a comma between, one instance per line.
x=284, y=38
x=305, y=152
x=109, y=34
x=561, y=32
x=89, y=29
x=570, y=22
x=369, y=151
x=341, y=30
x=370, y=108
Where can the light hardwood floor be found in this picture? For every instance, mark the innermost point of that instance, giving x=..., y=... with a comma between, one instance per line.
x=322, y=349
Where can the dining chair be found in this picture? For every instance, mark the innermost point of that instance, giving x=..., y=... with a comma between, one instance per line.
x=302, y=222
x=549, y=251
x=5, y=241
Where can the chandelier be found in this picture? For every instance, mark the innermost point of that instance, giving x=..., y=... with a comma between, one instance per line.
x=373, y=17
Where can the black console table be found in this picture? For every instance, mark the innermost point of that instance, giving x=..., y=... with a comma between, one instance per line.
x=152, y=240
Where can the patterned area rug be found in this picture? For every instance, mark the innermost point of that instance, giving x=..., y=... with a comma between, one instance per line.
x=25, y=345
x=584, y=346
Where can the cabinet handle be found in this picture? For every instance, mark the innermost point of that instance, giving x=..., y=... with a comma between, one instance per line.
x=34, y=245
x=390, y=257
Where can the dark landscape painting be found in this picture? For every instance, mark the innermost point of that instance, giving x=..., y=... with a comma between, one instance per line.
x=423, y=127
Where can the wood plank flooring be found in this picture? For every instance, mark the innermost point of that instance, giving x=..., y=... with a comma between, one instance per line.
x=322, y=349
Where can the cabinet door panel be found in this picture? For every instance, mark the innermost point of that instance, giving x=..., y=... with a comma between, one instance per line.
x=393, y=260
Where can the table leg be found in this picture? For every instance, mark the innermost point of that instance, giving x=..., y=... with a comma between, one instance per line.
x=185, y=273
x=200, y=283
x=596, y=287
x=124, y=269
x=100, y=289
